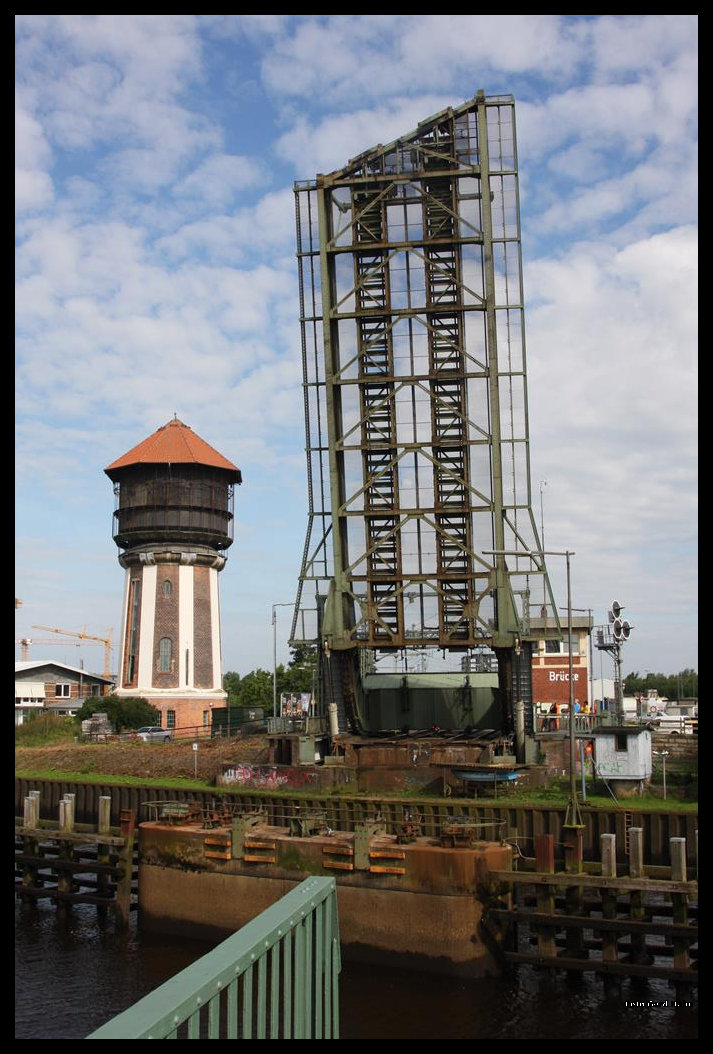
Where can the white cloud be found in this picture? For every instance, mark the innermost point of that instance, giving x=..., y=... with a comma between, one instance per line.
x=612, y=380
x=612, y=115
x=98, y=80
x=33, y=190
x=263, y=230
x=33, y=185
x=31, y=147
x=663, y=186
x=627, y=43
x=219, y=178
x=341, y=56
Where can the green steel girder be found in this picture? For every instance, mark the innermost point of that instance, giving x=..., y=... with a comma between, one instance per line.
x=415, y=393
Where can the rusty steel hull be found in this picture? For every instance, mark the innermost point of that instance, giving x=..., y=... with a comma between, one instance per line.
x=418, y=904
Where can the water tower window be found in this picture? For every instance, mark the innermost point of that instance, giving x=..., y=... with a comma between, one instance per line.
x=134, y=596
x=167, y=588
x=165, y=654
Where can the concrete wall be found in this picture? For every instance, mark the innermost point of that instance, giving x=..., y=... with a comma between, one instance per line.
x=427, y=918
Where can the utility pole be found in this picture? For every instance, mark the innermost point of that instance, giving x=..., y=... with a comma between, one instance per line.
x=274, y=653
x=573, y=816
x=590, y=681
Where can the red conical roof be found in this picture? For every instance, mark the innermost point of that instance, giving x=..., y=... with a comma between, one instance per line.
x=173, y=444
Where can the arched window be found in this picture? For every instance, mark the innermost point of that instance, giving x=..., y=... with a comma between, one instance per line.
x=165, y=652
x=167, y=588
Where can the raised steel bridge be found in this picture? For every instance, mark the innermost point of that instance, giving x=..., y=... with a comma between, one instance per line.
x=416, y=421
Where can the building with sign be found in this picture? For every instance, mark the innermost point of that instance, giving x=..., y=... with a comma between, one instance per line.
x=551, y=662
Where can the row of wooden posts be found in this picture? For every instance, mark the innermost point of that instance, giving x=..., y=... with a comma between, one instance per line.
x=600, y=921
x=71, y=864
x=582, y=918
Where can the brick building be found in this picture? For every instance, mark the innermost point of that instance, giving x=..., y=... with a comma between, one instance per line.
x=550, y=663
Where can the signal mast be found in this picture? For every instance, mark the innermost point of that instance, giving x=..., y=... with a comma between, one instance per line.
x=610, y=639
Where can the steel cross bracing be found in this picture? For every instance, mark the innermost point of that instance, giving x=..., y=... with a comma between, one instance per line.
x=415, y=394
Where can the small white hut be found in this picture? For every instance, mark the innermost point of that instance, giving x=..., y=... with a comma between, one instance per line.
x=622, y=757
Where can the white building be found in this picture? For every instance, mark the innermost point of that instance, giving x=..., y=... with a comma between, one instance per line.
x=622, y=756
x=46, y=686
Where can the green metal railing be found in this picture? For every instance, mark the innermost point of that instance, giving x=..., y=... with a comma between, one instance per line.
x=276, y=978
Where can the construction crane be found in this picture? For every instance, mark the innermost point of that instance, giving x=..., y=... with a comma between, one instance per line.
x=106, y=641
x=25, y=643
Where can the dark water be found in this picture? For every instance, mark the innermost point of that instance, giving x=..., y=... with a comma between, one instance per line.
x=74, y=974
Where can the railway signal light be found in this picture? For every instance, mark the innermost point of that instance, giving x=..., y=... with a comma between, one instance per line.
x=621, y=629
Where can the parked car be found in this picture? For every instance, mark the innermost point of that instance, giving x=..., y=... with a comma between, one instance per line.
x=154, y=734
x=675, y=725
x=676, y=719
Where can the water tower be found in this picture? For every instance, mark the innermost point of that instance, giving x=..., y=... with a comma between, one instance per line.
x=173, y=522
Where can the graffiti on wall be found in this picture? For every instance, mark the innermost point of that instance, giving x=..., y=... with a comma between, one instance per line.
x=268, y=777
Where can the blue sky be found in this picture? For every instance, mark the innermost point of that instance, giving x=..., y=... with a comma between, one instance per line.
x=156, y=275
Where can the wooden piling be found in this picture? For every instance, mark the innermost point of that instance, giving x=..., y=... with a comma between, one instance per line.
x=103, y=852
x=32, y=811
x=637, y=906
x=66, y=813
x=613, y=946
x=679, y=901
x=574, y=858
x=30, y=876
x=65, y=853
x=104, y=824
x=67, y=866
x=545, y=863
x=609, y=909
x=122, y=903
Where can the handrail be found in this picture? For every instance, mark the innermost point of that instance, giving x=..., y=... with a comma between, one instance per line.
x=276, y=978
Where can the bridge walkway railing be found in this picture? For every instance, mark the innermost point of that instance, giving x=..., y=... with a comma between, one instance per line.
x=276, y=978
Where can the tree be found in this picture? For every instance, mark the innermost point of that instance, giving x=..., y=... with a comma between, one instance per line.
x=231, y=684
x=254, y=689
x=301, y=672
x=123, y=713
x=683, y=685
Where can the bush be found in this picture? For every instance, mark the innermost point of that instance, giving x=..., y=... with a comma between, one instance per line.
x=42, y=729
x=122, y=712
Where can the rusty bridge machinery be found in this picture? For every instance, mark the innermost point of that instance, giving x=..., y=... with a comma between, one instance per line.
x=416, y=415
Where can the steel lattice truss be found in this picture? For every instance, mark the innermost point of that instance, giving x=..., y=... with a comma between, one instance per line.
x=415, y=393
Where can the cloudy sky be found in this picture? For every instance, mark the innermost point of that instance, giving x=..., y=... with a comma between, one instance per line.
x=156, y=275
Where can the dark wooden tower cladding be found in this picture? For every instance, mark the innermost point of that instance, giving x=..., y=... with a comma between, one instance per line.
x=173, y=522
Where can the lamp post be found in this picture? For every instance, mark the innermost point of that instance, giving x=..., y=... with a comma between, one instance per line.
x=543, y=484
x=590, y=680
x=274, y=653
x=573, y=817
